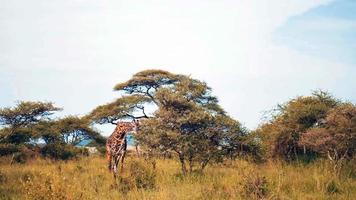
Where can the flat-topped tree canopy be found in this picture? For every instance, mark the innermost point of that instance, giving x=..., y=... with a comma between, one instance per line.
x=122, y=108
x=187, y=92
x=26, y=113
x=140, y=91
x=73, y=130
x=147, y=82
x=68, y=130
x=16, y=122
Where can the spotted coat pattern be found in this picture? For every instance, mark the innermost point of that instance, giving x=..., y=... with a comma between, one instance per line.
x=116, y=145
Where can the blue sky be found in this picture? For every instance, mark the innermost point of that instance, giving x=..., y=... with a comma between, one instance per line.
x=324, y=31
x=253, y=53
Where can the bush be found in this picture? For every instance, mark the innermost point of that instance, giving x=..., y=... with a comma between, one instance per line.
x=60, y=151
x=19, y=153
x=8, y=149
x=101, y=150
x=24, y=155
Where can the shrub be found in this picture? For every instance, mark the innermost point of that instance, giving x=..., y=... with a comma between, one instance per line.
x=60, y=151
x=8, y=149
x=101, y=150
x=24, y=155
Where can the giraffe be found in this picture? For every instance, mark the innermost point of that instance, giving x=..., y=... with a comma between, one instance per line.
x=116, y=145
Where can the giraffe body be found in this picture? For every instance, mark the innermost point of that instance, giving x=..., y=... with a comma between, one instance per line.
x=116, y=145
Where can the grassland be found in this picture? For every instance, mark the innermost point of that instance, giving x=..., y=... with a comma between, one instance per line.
x=88, y=178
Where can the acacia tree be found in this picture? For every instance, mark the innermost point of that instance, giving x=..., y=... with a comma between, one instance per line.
x=70, y=130
x=280, y=136
x=187, y=121
x=25, y=123
x=63, y=134
x=190, y=123
x=17, y=120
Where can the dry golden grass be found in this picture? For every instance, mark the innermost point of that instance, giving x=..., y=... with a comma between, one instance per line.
x=88, y=178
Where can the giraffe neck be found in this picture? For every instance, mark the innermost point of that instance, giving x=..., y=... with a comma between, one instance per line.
x=120, y=134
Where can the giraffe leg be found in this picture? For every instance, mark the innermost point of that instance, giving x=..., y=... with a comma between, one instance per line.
x=124, y=149
x=122, y=161
x=109, y=157
x=116, y=162
x=109, y=160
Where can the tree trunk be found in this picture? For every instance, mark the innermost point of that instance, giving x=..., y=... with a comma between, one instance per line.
x=153, y=162
x=204, y=163
x=295, y=154
x=137, y=152
x=181, y=159
x=190, y=164
x=12, y=159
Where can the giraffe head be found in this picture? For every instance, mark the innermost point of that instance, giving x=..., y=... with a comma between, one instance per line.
x=128, y=126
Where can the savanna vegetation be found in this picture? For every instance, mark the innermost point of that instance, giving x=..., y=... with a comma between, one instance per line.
x=190, y=148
